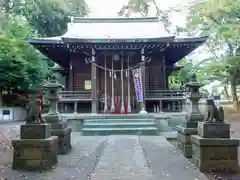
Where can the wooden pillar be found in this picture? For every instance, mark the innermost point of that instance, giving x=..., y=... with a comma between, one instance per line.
x=94, y=84
x=165, y=78
x=70, y=76
x=160, y=106
x=142, y=68
x=75, y=107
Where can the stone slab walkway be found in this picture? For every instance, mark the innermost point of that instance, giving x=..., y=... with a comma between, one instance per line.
x=143, y=158
x=166, y=162
x=122, y=159
x=114, y=158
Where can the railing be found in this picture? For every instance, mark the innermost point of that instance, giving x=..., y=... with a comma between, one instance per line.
x=165, y=94
x=73, y=95
x=161, y=94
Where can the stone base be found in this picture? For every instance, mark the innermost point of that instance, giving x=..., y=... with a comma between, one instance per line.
x=215, y=154
x=143, y=112
x=60, y=129
x=52, y=118
x=64, y=139
x=190, y=124
x=197, y=117
x=184, y=140
x=35, y=131
x=35, y=154
x=213, y=130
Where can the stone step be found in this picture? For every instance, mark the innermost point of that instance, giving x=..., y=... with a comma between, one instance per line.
x=119, y=116
x=116, y=131
x=119, y=121
x=119, y=124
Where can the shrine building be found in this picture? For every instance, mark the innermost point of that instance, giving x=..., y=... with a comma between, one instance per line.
x=99, y=58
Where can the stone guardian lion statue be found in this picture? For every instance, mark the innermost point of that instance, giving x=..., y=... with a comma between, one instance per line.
x=214, y=114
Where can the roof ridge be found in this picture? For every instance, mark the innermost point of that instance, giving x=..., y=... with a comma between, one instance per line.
x=113, y=19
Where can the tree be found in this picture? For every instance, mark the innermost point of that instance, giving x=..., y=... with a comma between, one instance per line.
x=48, y=17
x=220, y=20
x=20, y=65
x=142, y=7
x=78, y=8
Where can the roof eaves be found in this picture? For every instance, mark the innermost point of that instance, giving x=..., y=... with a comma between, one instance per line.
x=113, y=20
x=51, y=40
x=133, y=40
x=191, y=39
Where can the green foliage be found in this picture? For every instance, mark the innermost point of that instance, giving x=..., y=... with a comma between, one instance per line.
x=20, y=65
x=48, y=17
x=220, y=20
x=14, y=100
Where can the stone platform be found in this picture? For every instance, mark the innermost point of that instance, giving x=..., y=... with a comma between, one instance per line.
x=213, y=150
x=36, y=149
x=62, y=131
x=185, y=131
x=125, y=157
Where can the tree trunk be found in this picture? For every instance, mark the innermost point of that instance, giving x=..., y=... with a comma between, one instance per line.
x=234, y=93
x=1, y=99
x=226, y=92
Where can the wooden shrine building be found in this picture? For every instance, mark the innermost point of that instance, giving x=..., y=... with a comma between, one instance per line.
x=99, y=54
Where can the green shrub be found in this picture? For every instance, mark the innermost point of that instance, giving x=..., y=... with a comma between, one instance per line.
x=11, y=100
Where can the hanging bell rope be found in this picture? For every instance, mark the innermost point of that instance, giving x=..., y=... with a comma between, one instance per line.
x=119, y=70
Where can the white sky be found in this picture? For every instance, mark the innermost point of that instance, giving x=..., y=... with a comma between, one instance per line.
x=109, y=8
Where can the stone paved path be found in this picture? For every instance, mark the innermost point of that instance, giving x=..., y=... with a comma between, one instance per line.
x=122, y=159
x=115, y=158
x=110, y=158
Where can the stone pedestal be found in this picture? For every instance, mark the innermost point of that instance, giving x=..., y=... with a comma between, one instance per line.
x=36, y=149
x=185, y=131
x=213, y=150
x=189, y=127
x=60, y=129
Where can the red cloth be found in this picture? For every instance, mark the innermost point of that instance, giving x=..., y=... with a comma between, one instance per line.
x=118, y=108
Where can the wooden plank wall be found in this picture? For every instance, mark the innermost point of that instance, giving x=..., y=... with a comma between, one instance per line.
x=154, y=76
x=81, y=72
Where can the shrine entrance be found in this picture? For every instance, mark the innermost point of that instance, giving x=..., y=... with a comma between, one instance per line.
x=116, y=87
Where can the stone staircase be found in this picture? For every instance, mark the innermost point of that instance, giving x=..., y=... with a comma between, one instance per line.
x=120, y=124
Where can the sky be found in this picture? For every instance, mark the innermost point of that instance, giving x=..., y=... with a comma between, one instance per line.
x=100, y=8
x=109, y=8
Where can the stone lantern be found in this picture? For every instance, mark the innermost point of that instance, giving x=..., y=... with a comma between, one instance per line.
x=53, y=87
x=58, y=127
x=194, y=96
x=189, y=126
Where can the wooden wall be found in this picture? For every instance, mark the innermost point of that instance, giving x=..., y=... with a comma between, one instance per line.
x=154, y=76
x=81, y=72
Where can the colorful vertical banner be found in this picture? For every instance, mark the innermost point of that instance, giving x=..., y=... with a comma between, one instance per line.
x=137, y=78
